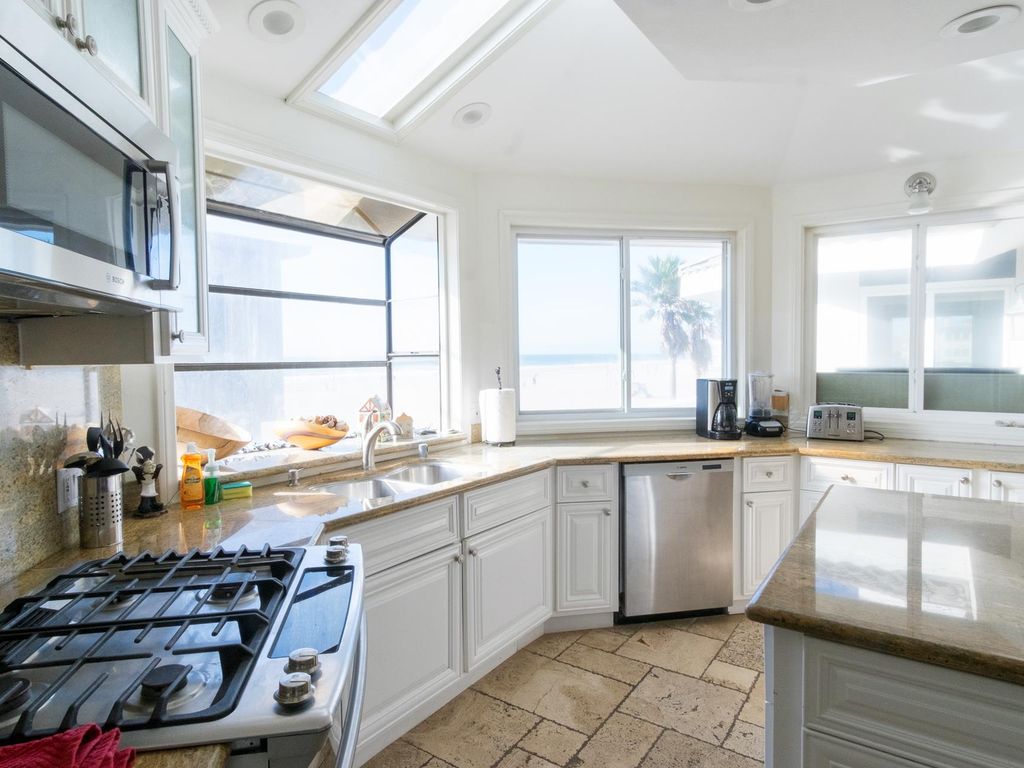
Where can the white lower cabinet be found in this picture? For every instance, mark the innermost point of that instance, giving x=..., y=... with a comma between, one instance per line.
x=414, y=636
x=825, y=752
x=767, y=528
x=1006, y=486
x=808, y=502
x=586, y=575
x=508, y=587
x=939, y=481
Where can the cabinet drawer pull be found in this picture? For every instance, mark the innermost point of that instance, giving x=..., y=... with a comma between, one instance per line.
x=585, y=483
x=997, y=483
x=846, y=478
x=965, y=481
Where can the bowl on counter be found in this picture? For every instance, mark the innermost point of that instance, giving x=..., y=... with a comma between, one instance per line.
x=209, y=431
x=309, y=435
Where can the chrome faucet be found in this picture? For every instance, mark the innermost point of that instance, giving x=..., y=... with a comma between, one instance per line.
x=370, y=440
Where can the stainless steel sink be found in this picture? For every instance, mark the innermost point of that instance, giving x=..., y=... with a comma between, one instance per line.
x=377, y=488
x=431, y=473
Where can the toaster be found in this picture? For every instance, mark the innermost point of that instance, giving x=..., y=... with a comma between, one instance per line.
x=835, y=421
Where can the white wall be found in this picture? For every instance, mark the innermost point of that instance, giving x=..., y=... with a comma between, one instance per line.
x=269, y=128
x=963, y=184
x=595, y=203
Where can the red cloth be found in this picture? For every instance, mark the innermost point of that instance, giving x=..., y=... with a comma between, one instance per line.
x=84, y=747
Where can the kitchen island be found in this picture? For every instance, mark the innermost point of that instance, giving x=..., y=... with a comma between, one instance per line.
x=894, y=635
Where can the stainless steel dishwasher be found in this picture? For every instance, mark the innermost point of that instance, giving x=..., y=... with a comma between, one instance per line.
x=677, y=538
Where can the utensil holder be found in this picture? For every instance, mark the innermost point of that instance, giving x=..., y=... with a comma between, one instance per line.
x=100, y=511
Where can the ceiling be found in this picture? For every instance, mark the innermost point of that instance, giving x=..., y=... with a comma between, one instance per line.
x=695, y=91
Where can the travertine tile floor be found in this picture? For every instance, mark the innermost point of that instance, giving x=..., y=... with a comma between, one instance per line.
x=675, y=694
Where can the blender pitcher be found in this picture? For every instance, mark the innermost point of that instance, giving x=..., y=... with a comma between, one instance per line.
x=759, y=408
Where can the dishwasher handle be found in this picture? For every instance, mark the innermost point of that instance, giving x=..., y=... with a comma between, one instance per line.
x=680, y=475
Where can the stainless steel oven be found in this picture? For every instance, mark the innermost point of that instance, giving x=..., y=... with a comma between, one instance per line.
x=88, y=194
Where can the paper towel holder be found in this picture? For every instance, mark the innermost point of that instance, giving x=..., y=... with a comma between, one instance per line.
x=498, y=416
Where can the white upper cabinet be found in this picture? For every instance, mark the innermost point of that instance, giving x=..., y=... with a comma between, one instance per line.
x=116, y=36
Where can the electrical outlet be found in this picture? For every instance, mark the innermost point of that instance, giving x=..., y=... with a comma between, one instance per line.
x=67, y=490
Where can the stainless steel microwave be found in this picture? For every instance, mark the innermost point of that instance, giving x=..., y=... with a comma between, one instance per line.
x=88, y=193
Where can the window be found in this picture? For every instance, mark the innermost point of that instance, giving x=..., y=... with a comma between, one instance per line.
x=619, y=326
x=407, y=52
x=925, y=316
x=308, y=319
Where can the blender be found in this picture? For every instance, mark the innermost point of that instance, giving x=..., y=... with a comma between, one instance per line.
x=760, y=422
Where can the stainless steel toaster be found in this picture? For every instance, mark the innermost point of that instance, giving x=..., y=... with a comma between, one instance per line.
x=835, y=421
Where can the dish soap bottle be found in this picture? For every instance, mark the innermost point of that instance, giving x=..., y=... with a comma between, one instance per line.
x=191, y=488
x=213, y=491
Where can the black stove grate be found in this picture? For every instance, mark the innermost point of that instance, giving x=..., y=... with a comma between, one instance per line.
x=90, y=606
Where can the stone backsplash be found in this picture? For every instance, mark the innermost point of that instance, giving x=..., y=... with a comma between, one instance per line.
x=44, y=412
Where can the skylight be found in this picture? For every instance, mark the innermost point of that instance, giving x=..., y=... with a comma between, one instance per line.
x=413, y=42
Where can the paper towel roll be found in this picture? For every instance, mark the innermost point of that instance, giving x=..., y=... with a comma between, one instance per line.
x=498, y=416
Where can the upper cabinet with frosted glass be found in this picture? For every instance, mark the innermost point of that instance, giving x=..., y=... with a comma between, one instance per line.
x=180, y=33
x=116, y=37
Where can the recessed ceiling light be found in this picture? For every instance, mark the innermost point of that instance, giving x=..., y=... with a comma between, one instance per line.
x=472, y=115
x=755, y=5
x=277, y=20
x=980, y=20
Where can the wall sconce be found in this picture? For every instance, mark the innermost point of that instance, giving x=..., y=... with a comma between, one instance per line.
x=919, y=188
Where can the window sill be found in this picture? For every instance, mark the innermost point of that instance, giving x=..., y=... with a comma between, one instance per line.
x=269, y=467
x=560, y=426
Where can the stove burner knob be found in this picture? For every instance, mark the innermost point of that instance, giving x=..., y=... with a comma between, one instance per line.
x=336, y=554
x=294, y=689
x=338, y=541
x=303, y=660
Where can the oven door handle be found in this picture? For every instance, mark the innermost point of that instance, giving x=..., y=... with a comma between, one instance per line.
x=173, y=199
x=354, y=713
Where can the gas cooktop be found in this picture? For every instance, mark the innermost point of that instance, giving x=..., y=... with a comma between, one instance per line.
x=139, y=642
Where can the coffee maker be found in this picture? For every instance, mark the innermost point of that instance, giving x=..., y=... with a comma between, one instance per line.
x=716, y=409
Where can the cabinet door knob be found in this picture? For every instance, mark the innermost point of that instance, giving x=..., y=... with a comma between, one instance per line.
x=997, y=483
x=460, y=559
x=750, y=503
x=178, y=336
x=68, y=23
x=965, y=481
x=846, y=478
x=607, y=511
x=88, y=45
x=472, y=552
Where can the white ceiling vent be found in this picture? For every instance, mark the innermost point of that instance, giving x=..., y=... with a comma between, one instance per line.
x=980, y=20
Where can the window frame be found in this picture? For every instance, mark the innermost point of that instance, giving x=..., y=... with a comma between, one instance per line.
x=263, y=218
x=963, y=423
x=626, y=414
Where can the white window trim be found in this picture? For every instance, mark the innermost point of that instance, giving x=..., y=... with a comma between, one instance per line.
x=243, y=147
x=913, y=422
x=740, y=232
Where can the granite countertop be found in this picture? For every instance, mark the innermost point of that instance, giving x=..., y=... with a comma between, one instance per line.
x=931, y=578
x=283, y=516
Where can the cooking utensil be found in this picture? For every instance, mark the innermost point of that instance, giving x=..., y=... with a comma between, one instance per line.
x=106, y=448
x=92, y=438
x=82, y=460
x=106, y=467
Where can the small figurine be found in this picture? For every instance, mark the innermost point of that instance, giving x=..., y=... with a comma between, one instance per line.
x=146, y=472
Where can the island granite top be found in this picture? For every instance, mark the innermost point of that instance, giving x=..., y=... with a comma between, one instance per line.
x=930, y=578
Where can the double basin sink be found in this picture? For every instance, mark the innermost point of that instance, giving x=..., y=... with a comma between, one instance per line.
x=404, y=481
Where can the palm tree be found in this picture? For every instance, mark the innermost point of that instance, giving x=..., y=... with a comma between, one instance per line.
x=685, y=324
